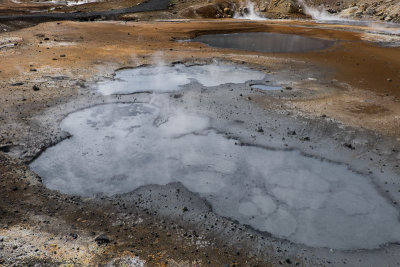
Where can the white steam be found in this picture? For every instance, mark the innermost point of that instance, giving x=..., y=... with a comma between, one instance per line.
x=249, y=13
x=320, y=13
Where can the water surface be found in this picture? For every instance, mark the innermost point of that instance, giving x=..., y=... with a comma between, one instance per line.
x=265, y=42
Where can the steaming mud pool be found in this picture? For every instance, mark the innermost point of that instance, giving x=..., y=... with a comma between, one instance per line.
x=162, y=79
x=117, y=148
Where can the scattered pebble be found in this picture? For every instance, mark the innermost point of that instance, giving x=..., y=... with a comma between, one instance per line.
x=102, y=239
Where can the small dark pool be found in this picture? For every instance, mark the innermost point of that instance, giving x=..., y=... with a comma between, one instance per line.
x=265, y=42
x=265, y=87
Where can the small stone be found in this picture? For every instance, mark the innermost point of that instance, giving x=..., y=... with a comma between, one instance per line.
x=177, y=96
x=73, y=235
x=102, y=239
x=184, y=209
x=35, y=88
x=62, y=55
x=33, y=69
x=260, y=129
x=292, y=133
x=388, y=79
x=17, y=84
x=288, y=88
x=350, y=146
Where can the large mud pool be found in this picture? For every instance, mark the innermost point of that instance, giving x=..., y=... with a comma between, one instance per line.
x=117, y=148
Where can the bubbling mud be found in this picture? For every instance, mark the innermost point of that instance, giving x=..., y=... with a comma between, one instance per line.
x=116, y=148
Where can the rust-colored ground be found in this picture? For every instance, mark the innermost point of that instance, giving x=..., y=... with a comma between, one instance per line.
x=365, y=77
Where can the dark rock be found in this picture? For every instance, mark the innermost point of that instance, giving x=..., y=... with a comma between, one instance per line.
x=35, y=88
x=260, y=129
x=102, y=239
x=177, y=95
x=348, y=145
x=5, y=149
x=184, y=209
x=73, y=235
x=62, y=55
x=292, y=133
x=17, y=84
x=288, y=88
x=33, y=69
x=288, y=261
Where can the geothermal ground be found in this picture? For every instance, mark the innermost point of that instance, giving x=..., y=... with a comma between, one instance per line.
x=159, y=138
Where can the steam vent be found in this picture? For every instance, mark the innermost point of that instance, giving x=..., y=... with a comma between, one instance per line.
x=199, y=133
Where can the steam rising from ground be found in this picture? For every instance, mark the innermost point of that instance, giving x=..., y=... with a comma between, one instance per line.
x=387, y=34
x=170, y=78
x=249, y=13
x=320, y=13
x=117, y=148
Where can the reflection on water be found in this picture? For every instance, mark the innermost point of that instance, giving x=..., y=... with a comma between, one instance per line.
x=264, y=42
x=117, y=148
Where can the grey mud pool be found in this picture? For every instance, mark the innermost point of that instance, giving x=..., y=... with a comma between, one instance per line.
x=118, y=148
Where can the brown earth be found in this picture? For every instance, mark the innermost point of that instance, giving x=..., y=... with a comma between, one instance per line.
x=125, y=44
